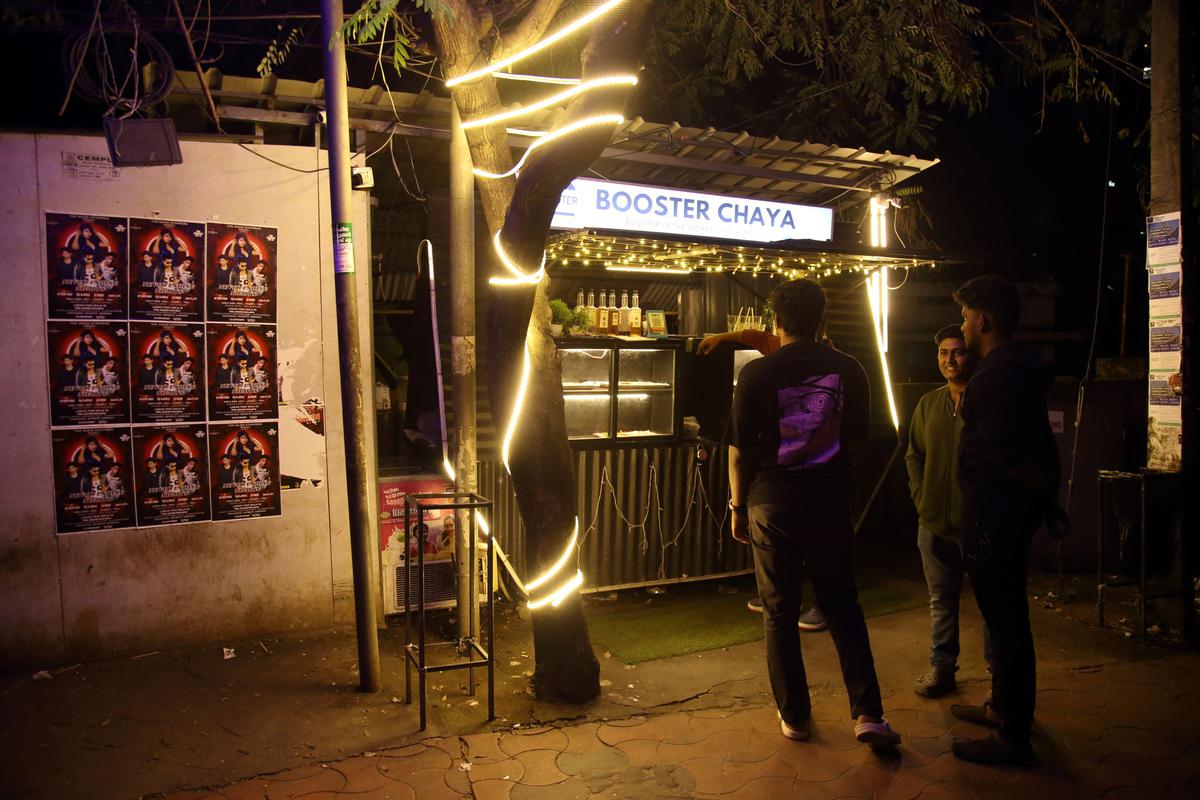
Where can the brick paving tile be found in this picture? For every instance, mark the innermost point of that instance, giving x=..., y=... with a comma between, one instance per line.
x=362, y=775
x=715, y=776
x=570, y=789
x=247, y=790
x=426, y=758
x=757, y=746
x=430, y=784
x=458, y=781
x=760, y=788
x=492, y=790
x=613, y=734
x=814, y=763
x=510, y=769
x=910, y=724
x=640, y=752
x=1062, y=701
x=538, y=739
x=483, y=747
x=596, y=765
x=887, y=779
x=304, y=781
x=582, y=739
x=541, y=768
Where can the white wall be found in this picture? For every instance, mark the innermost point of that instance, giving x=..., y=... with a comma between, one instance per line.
x=93, y=595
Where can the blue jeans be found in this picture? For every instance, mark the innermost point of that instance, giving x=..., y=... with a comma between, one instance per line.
x=789, y=544
x=942, y=560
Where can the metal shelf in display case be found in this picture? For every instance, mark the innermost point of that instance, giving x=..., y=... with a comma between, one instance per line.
x=620, y=389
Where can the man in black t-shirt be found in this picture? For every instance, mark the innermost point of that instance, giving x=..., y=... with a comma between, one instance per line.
x=795, y=415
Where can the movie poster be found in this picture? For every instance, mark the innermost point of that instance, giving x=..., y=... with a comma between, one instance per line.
x=86, y=266
x=244, y=460
x=166, y=270
x=241, y=273
x=171, y=474
x=242, y=372
x=92, y=479
x=167, y=371
x=89, y=373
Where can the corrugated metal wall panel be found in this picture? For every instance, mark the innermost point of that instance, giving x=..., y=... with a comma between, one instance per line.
x=648, y=514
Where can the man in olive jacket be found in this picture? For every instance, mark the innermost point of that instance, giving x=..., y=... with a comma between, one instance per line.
x=932, y=460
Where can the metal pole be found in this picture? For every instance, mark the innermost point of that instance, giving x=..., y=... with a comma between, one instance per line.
x=366, y=583
x=462, y=356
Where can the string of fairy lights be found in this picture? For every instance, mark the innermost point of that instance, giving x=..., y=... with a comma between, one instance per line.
x=588, y=249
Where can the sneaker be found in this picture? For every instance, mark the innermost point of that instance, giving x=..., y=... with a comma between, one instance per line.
x=754, y=604
x=995, y=749
x=797, y=733
x=876, y=735
x=936, y=683
x=813, y=621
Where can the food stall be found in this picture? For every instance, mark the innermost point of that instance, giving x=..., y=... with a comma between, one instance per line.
x=646, y=415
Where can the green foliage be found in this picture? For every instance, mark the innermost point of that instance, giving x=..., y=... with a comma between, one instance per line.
x=878, y=72
x=580, y=319
x=278, y=51
x=560, y=312
x=368, y=24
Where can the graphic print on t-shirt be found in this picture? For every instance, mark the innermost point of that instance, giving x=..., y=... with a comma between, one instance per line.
x=810, y=421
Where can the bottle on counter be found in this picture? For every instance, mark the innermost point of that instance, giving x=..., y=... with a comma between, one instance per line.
x=591, y=311
x=614, y=313
x=623, y=314
x=602, y=314
x=635, y=316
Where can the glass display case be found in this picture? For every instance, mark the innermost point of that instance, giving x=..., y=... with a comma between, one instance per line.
x=617, y=389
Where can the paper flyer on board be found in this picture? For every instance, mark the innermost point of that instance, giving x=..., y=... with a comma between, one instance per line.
x=1163, y=239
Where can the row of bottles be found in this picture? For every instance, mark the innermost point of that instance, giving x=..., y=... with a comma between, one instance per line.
x=607, y=317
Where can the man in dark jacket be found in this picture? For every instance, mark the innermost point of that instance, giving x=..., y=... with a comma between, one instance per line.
x=931, y=460
x=1008, y=470
x=796, y=415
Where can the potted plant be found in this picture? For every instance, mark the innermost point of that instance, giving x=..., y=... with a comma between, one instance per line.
x=560, y=315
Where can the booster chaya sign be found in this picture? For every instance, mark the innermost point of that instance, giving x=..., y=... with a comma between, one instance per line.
x=608, y=205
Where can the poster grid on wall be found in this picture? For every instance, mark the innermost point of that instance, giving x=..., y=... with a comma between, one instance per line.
x=139, y=313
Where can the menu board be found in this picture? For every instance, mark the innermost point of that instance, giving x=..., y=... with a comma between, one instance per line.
x=157, y=329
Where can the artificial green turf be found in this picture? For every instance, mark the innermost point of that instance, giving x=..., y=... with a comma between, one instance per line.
x=698, y=617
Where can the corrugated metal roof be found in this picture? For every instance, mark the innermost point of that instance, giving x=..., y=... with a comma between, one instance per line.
x=641, y=151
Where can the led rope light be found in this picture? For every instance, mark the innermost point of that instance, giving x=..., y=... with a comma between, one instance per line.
x=518, y=405
x=555, y=598
x=554, y=569
x=519, y=275
x=874, y=281
x=561, y=33
x=599, y=119
x=554, y=99
x=516, y=76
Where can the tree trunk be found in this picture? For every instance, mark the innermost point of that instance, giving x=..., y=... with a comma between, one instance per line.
x=541, y=462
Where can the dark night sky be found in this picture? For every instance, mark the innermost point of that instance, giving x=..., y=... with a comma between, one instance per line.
x=1030, y=201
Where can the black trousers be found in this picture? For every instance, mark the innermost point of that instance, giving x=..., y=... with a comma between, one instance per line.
x=788, y=544
x=997, y=559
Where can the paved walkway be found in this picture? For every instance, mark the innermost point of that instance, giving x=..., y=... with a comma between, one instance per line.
x=1124, y=730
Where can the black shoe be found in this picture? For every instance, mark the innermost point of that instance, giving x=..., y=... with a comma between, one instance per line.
x=984, y=715
x=936, y=683
x=813, y=621
x=995, y=749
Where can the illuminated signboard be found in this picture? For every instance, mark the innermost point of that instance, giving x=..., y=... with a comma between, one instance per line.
x=608, y=205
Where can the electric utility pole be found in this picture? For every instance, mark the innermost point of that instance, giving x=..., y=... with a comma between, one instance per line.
x=366, y=592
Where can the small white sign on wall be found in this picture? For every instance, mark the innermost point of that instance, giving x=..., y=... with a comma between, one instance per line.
x=89, y=167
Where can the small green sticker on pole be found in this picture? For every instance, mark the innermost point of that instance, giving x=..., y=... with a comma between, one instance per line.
x=343, y=248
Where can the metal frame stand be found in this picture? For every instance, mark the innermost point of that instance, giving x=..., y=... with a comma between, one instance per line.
x=1139, y=586
x=414, y=654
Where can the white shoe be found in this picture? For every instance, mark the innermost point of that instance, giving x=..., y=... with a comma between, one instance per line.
x=796, y=734
x=877, y=735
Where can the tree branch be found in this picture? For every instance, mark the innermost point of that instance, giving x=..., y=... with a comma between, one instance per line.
x=529, y=30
